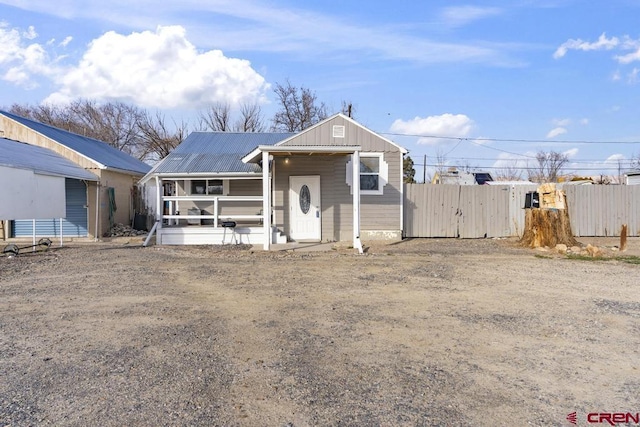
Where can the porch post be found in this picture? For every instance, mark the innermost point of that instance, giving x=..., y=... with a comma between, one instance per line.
x=356, y=201
x=266, y=200
x=159, y=202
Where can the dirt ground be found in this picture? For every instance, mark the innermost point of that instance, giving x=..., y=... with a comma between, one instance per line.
x=425, y=332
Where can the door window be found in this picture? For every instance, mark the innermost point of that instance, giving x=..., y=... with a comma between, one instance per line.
x=305, y=199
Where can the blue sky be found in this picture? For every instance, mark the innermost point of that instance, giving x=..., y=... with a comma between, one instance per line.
x=509, y=78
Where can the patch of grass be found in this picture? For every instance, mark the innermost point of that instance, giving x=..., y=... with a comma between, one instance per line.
x=628, y=259
x=579, y=257
x=543, y=256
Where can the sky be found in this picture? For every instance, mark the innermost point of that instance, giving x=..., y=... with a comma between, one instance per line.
x=482, y=84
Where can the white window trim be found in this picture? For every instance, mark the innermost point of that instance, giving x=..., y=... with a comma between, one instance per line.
x=383, y=174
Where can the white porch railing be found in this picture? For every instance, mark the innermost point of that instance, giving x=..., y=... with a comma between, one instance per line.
x=217, y=201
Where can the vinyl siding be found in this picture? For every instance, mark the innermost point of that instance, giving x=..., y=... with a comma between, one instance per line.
x=377, y=212
x=354, y=135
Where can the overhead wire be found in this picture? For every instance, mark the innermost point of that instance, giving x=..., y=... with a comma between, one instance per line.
x=532, y=141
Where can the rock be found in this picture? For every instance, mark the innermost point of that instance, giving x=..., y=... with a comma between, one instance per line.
x=576, y=249
x=121, y=230
x=561, y=248
x=594, y=251
x=542, y=249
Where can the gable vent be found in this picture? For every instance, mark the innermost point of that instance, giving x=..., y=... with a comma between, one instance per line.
x=338, y=131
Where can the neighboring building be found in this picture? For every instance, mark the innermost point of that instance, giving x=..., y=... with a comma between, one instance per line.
x=456, y=177
x=34, y=183
x=90, y=203
x=279, y=187
x=632, y=178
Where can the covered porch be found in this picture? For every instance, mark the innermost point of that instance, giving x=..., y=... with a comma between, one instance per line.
x=210, y=208
x=291, y=190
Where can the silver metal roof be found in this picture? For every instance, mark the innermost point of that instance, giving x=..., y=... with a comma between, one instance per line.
x=216, y=152
x=40, y=160
x=98, y=151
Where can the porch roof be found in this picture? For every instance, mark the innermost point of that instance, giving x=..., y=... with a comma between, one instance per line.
x=215, y=153
x=285, y=150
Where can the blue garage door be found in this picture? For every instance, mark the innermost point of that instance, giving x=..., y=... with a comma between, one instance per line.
x=74, y=225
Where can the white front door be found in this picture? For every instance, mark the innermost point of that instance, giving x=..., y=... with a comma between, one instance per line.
x=304, y=208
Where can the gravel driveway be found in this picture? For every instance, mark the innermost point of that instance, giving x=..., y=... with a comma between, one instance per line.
x=424, y=332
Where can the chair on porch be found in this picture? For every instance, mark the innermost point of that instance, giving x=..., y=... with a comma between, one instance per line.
x=228, y=224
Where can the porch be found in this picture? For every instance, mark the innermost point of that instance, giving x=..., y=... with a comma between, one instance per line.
x=212, y=219
x=210, y=235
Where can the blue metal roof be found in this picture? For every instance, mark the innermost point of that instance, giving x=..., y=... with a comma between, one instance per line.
x=217, y=152
x=40, y=160
x=98, y=151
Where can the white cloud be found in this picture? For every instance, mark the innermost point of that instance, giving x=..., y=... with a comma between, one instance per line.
x=159, y=69
x=561, y=122
x=66, y=41
x=603, y=43
x=571, y=152
x=628, y=58
x=445, y=125
x=584, y=121
x=458, y=16
x=21, y=61
x=257, y=26
x=556, y=132
x=30, y=34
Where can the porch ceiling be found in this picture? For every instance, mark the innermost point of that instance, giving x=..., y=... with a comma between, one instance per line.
x=256, y=155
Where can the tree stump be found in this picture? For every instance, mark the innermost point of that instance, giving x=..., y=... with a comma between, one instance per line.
x=547, y=227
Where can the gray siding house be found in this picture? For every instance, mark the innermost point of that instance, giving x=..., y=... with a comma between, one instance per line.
x=335, y=181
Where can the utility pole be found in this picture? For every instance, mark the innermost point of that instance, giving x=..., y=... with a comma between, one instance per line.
x=424, y=170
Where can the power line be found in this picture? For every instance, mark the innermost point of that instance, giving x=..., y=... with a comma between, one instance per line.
x=537, y=141
x=565, y=168
x=494, y=159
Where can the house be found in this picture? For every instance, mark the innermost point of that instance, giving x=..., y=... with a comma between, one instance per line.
x=335, y=181
x=91, y=204
x=456, y=177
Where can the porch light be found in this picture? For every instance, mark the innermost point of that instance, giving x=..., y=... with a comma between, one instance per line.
x=286, y=160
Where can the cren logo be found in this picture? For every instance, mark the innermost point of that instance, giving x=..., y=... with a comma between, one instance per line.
x=572, y=418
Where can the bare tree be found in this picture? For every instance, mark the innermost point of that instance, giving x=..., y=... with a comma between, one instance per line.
x=466, y=166
x=299, y=108
x=159, y=139
x=509, y=172
x=441, y=162
x=635, y=161
x=216, y=118
x=115, y=123
x=250, y=119
x=548, y=166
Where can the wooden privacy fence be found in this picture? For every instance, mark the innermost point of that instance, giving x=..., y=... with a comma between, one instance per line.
x=477, y=211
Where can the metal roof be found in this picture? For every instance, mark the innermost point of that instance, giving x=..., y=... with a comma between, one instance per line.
x=95, y=150
x=216, y=152
x=40, y=160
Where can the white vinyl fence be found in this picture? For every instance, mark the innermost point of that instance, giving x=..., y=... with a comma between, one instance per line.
x=479, y=211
